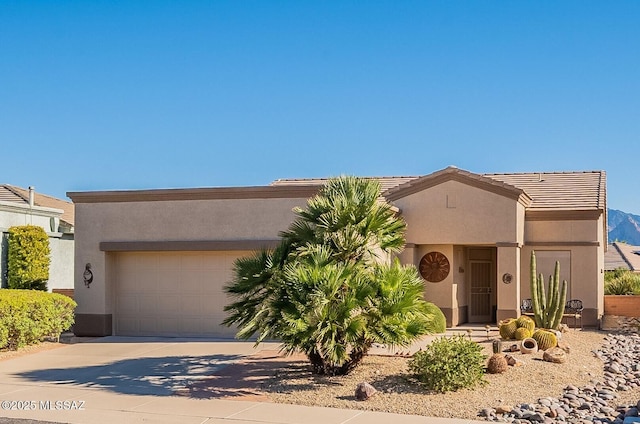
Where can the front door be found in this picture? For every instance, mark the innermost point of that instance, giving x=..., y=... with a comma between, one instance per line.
x=481, y=276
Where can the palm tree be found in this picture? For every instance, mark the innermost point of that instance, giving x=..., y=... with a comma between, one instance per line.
x=328, y=290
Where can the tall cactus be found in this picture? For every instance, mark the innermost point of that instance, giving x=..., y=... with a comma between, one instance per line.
x=547, y=307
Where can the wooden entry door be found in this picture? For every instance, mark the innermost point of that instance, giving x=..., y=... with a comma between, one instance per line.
x=481, y=277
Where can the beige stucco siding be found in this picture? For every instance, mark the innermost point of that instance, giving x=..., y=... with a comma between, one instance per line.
x=61, y=267
x=441, y=293
x=456, y=213
x=186, y=220
x=586, y=280
x=563, y=231
x=192, y=220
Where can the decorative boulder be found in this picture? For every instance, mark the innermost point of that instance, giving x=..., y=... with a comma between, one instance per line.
x=512, y=361
x=555, y=355
x=564, y=346
x=364, y=391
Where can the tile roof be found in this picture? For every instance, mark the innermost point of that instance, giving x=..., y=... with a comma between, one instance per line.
x=9, y=193
x=622, y=255
x=386, y=183
x=560, y=190
x=548, y=190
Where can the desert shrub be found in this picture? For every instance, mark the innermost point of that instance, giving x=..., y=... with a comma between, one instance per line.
x=28, y=258
x=29, y=316
x=449, y=364
x=622, y=282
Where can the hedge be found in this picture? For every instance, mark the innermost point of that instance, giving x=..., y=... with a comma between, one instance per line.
x=28, y=258
x=29, y=316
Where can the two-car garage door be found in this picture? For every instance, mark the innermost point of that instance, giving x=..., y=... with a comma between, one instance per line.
x=172, y=293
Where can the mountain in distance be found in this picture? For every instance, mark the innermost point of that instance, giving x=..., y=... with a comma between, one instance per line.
x=623, y=226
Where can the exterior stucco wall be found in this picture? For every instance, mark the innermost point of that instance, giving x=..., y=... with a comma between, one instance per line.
x=585, y=240
x=508, y=294
x=61, y=245
x=455, y=213
x=22, y=215
x=586, y=282
x=583, y=231
x=61, y=268
x=444, y=293
x=441, y=293
x=174, y=220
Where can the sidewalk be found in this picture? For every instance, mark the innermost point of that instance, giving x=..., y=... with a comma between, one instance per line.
x=104, y=408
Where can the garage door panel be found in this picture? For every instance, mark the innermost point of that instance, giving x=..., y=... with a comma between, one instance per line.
x=128, y=305
x=211, y=307
x=168, y=262
x=148, y=325
x=168, y=306
x=148, y=305
x=169, y=326
x=168, y=281
x=193, y=261
x=172, y=293
x=128, y=325
x=190, y=305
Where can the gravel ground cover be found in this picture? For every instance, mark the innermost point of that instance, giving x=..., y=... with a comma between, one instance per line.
x=398, y=392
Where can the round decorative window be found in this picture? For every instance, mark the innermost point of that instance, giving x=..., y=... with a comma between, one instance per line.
x=434, y=267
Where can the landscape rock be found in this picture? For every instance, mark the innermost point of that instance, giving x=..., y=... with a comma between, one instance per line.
x=592, y=403
x=555, y=355
x=364, y=391
x=564, y=346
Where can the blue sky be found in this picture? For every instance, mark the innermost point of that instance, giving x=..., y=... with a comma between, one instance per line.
x=153, y=94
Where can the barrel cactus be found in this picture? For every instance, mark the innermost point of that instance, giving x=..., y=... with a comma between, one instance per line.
x=526, y=322
x=545, y=339
x=508, y=328
x=547, y=307
x=523, y=333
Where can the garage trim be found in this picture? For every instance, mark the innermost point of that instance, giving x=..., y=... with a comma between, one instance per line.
x=187, y=245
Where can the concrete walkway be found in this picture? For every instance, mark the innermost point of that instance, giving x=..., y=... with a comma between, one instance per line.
x=138, y=380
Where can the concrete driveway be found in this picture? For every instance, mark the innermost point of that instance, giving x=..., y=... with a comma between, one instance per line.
x=135, y=380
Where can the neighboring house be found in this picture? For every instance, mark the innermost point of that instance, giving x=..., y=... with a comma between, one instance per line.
x=19, y=206
x=622, y=255
x=157, y=260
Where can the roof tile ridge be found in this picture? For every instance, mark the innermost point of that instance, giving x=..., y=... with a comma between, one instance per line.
x=546, y=172
x=13, y=190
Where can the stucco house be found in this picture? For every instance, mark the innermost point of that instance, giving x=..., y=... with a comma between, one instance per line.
x=20, y=206
x=153, y=262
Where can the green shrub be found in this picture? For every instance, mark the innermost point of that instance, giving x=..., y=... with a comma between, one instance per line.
x=29, y=316
x=28, y=258
x=622, y=282
x=438, y=322
x=449, y=364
